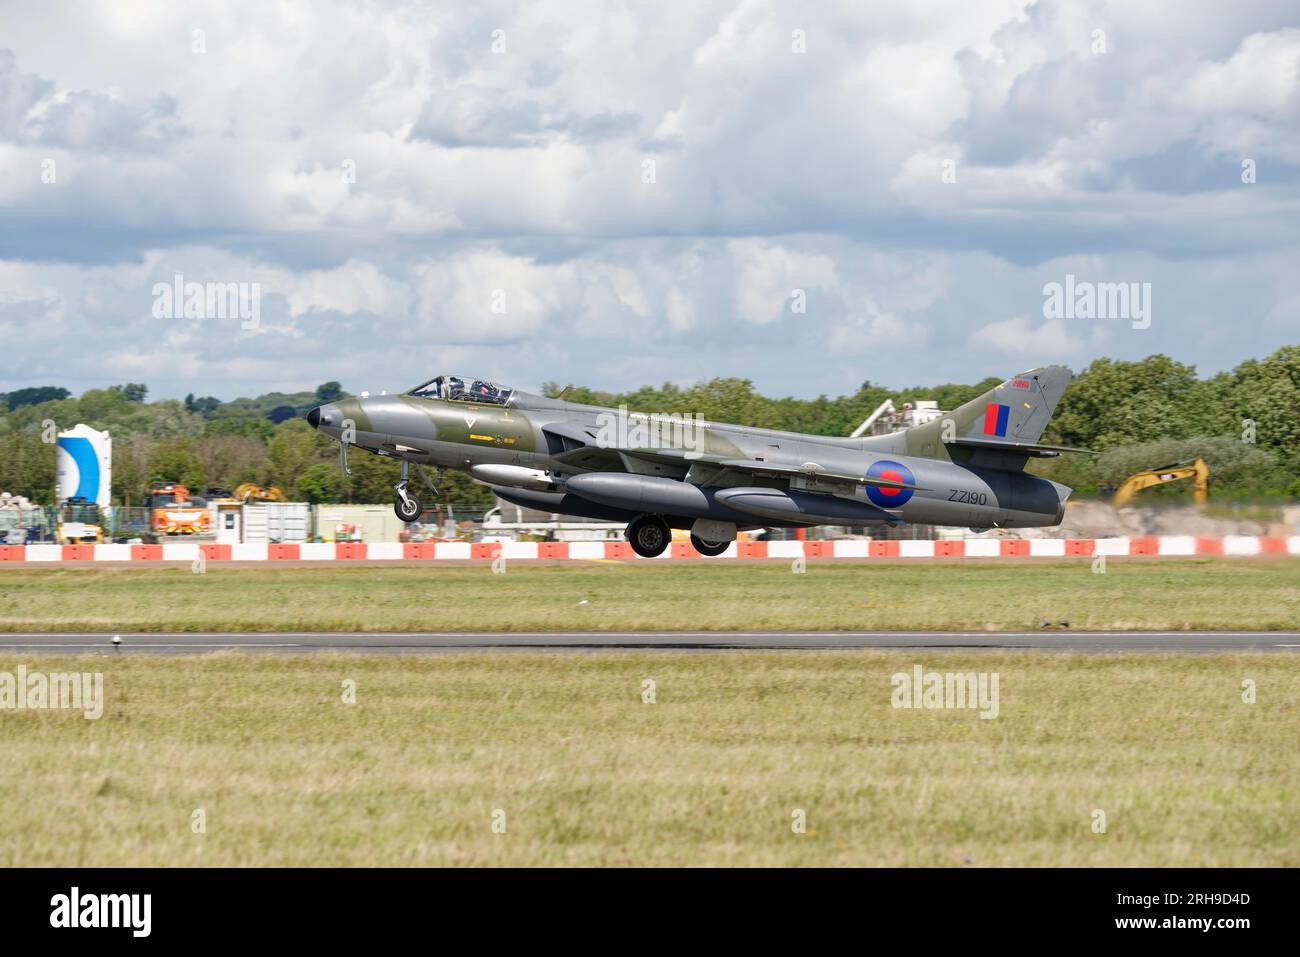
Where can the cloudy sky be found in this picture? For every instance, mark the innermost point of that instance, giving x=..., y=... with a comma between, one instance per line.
x=617, y=194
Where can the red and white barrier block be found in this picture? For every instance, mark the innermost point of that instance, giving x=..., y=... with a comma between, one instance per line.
x=1173, y=546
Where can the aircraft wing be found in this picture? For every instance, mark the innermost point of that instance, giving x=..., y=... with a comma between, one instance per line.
x=807, y=470
x=591, y=457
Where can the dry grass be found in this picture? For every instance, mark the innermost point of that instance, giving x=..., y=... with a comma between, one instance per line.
x=288, y=774
x=1165, y=594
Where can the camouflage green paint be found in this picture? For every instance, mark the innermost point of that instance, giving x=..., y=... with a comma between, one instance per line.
x=459, y=422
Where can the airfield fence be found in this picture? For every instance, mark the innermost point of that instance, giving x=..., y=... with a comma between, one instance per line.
x=36, y=524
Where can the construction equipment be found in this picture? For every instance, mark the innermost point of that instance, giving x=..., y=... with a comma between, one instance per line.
x=79, y=523
x=173, y=511
x=1187, y=469
x=259, y=493
x=22, y=521
x=886, y=418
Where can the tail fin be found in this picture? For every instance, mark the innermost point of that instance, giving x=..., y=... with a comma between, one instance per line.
x=1016, y=411
x=1000, y=429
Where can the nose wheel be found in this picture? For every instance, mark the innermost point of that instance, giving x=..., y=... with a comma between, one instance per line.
x=648, y=535
x=407, y=506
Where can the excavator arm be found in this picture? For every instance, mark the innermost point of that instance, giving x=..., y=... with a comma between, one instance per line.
x=1195, y=469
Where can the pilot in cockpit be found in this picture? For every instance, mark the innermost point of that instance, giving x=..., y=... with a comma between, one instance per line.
x=484, y=390
x=453, y=387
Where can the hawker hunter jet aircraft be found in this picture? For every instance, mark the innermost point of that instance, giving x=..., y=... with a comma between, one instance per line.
x=658, y=472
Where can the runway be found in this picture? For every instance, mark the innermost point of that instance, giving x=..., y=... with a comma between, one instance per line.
x=433, y=642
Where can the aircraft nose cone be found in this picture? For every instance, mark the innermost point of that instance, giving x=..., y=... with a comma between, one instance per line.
x=313, y=417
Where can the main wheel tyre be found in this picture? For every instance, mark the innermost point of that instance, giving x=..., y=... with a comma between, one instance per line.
x=408, y=509
x=648, y=536
x=708, y=549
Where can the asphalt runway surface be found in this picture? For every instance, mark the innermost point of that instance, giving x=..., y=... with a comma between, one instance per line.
x=189, y=643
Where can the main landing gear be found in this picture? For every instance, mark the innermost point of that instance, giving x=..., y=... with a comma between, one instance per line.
x=648, y=535
x=708, y=549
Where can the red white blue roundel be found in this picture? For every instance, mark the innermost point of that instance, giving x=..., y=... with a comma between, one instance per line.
x=893, y=472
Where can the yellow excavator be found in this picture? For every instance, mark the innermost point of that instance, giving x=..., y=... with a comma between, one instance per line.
x=1187, y=469
x=259, y=493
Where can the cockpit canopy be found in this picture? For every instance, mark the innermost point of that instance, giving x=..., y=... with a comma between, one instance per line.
x=463, y=389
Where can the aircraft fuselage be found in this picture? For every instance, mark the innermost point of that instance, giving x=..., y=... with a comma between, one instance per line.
x=553, y=455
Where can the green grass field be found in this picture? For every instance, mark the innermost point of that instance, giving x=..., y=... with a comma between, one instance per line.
x=1173, y=594
x=286, y=773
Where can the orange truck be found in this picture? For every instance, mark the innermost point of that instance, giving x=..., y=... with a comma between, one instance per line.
x=174, y=511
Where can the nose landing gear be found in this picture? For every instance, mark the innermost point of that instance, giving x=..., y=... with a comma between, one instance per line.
x=407, y=506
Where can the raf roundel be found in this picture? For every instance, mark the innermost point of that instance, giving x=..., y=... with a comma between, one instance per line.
x=893, y=472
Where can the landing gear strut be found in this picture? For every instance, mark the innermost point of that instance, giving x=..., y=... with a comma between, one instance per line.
x=648, y=535
x=407, y=506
